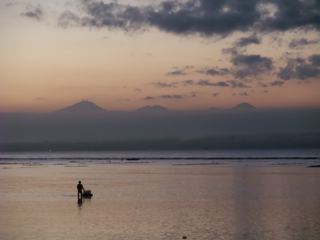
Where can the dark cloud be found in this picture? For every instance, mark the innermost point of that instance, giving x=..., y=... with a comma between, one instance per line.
x=230, y=83
x=242, y=94
x=301, y=42
x=188, y=82
x=168, y=96
x=68, y=18
x=204, y=17
x=231, y=51
x=214, y=71
x=237, y=84
x=251, y=60
x=148, y=98
x=174, y=84
x=277, y=83
x=251, y=65
x=177, y=72
x=301, y=69
x=245, y=41
x=291, y=14
x=113, y=15
x=164, y=96
x=34, y=13
x=213, y=84
x=164, y=84
x=239, y=46
x=202, y=83
x=188, y=67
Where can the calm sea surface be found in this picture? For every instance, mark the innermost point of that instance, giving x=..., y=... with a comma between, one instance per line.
x=238, y=195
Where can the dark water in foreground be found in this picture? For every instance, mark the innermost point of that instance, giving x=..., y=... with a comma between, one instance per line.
x=161, y=195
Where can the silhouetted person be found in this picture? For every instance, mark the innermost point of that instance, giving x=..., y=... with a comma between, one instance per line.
x=80, y=188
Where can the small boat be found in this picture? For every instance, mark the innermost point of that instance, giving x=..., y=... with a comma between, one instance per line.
x=87, y=194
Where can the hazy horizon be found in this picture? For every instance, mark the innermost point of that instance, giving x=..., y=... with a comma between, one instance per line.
x=210, y=108
x=85, y=126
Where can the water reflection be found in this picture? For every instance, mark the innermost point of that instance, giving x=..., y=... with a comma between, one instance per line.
x=161, y=202
x=80, y=203
x=249, y=203
x=275, y=205
x=83, y=201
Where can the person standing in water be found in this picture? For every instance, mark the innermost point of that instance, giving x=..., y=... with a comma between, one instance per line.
x=80, y=188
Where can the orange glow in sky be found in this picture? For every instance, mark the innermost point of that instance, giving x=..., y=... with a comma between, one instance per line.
x=45, y=66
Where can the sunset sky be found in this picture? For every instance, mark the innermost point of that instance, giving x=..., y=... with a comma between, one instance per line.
x=182, y=54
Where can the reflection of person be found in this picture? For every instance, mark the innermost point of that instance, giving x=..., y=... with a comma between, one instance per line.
x=80, y=188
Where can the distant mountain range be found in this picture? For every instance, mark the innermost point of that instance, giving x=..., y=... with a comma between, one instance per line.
x=82, y=107
x=87, y=107
x=244, y=106
x=86, y=126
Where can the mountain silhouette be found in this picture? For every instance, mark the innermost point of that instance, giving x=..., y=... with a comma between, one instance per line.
x=86, y=126
x=83, y=107
x=244, y=106
x=154, y=108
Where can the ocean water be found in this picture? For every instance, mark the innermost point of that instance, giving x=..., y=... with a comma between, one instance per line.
x=236, y=195
x=225, y=157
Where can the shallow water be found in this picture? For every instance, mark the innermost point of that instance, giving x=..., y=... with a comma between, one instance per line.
x=159, y=201
x=290, y=157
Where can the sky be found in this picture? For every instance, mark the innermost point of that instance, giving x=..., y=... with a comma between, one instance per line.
x=182, y=54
